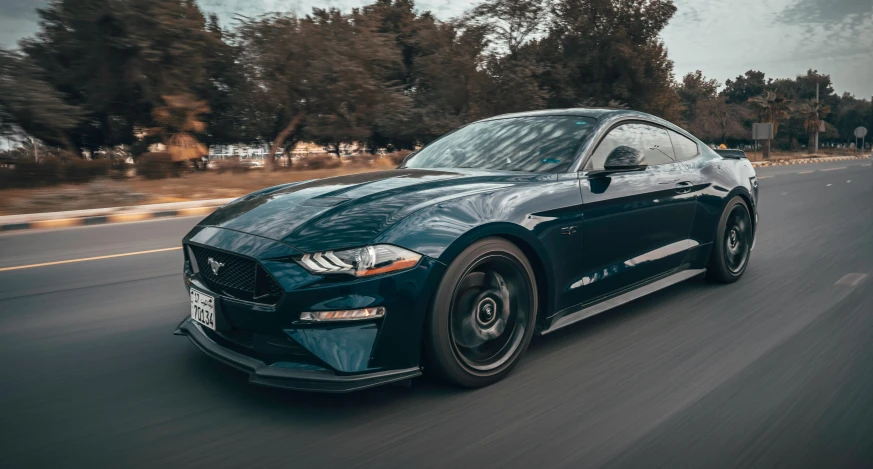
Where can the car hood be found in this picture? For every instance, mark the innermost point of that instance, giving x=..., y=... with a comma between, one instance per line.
x=349, y=211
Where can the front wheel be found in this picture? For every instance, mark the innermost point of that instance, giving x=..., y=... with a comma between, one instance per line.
x=733, y=243
x=483, y=315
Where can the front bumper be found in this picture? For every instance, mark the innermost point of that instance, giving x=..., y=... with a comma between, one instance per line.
x=296, y=379
x=270, y=341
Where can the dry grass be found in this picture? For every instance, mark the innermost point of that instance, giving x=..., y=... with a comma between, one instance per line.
x=138, y=191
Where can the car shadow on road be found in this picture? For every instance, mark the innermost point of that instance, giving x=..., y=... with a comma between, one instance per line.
x=296, y=407
x=635, y=310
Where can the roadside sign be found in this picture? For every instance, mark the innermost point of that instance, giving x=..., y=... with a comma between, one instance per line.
x=762, y=131
x=860, y=132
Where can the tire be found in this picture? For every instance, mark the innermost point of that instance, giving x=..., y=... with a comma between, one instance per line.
x=733, y=243
x=483, y=314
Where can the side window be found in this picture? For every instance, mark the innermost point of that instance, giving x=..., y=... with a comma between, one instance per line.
x=652, y=141
x=684, y=147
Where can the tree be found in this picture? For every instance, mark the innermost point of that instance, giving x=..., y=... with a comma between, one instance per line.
x=811, y=111
x=31, y=105
x=746, y=86
x=717, y=120
x=180, y=118
x=802, y=90
x=510, y=61
x=449, y=80
x=116, y=59
x=443, y=73
x=771, y=107
x=695, y=88
x=509, y=23
x=450, y=73
x=609, y=50
x=354, y=67
x=221, y=90
x=327, y=73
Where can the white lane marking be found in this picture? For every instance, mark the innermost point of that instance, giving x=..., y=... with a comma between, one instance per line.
x=829, y=185
x=71, y=261
x=805, y=172
x=785, y=193
x=764, y=177
x=848, y=181
x=851, y=280
x=834, y=169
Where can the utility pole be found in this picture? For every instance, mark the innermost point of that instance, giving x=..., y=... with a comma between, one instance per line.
x=817, y=125
x=35, y=149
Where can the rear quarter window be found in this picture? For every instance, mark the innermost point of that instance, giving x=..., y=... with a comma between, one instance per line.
x=684, y=147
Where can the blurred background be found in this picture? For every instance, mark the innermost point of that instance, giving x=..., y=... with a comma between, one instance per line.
x=172, y=107
x=123, y=92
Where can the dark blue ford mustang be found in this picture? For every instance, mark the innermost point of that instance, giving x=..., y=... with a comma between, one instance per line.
x=505, y=228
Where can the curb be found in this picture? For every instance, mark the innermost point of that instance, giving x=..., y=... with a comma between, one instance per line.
x=765, y=164
x=107, y=216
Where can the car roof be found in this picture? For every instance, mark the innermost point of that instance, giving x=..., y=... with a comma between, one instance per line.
x=600, y=114
x=595, y=113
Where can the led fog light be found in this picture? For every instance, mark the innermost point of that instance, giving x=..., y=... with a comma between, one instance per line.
x=343, y=315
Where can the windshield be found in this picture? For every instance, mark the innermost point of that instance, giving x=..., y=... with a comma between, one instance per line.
x=545, y=144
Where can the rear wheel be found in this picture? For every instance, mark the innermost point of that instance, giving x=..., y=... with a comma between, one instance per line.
x=733, y=243
x=483, y=314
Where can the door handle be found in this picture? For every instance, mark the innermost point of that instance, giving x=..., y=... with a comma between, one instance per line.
x=684, y=187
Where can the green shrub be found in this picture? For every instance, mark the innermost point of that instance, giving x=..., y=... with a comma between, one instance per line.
x=119, y=170
x=30, y=173
x=157, y=165
x=8, y=178
x=81, y=171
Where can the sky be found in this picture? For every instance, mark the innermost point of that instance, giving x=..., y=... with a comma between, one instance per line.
x=723, y=38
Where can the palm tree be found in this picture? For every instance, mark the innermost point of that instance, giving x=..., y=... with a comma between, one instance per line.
x=771, y=108
x=179, y=119
x=811, y=112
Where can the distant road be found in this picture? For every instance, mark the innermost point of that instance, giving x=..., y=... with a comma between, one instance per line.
x=775, y=370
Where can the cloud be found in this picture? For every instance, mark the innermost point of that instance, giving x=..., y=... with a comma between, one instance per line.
x=782, y=38
x=18, y=19
x=228, y=9
x=21, y=9
x=825, y=11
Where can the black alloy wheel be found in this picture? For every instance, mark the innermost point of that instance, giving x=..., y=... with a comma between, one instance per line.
x=737, y=239
x=733, y=243
x=483, y=315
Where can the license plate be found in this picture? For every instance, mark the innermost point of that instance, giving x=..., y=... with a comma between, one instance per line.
x=203, y=308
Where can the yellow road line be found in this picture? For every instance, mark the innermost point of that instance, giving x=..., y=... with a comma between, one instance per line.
x=71, y=261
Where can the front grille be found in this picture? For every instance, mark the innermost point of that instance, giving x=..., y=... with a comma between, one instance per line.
x=237, y=277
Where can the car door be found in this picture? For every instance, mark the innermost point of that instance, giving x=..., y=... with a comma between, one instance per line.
x=635, y=224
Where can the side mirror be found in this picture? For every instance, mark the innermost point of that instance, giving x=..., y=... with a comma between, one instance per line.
x=625, y=158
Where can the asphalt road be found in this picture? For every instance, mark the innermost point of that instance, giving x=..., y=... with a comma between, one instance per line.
x=775, y=370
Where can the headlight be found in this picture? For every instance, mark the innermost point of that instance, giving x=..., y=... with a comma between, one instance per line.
x=361, y=262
